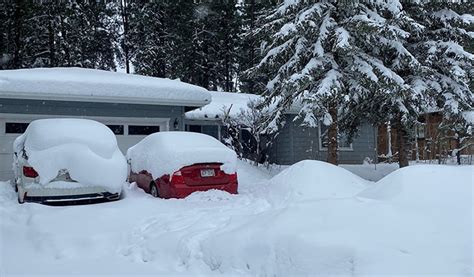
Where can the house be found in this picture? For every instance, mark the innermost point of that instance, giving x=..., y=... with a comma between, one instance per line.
x=294, y=142
x=431, y=143
x=208, y=119
x=132, y=106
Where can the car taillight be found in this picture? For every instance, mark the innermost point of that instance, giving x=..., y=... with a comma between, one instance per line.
x=177, y=178
x=233, y=177
x=29, y=172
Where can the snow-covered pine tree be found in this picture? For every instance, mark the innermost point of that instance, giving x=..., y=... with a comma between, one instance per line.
x=326, y=57
x=249, y=53
x=440, y=48
x=227, y=28
x=214, y=44
x=63, y=33
x=148, y=39
x=15, y=34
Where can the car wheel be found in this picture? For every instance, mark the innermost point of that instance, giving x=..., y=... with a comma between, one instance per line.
x=154, y=190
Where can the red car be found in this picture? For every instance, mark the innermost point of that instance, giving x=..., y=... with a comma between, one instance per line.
x=175, y=149
x=189, y=179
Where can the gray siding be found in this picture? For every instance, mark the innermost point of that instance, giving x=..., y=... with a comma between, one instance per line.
x=295, y=143
x=75, y=108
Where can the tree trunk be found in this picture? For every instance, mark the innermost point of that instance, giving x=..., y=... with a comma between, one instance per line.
x=124, y=7
x=332, y=136
x=402, y=144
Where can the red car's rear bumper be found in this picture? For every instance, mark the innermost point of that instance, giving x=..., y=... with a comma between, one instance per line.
x=181, y=191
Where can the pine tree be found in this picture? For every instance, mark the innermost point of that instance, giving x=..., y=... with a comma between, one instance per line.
x=439, y=48
x=249, y=53
x=147, y=38
x=324, y=56
x=15, y=33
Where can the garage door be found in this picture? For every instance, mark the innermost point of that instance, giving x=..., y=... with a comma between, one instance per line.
x=128, y=131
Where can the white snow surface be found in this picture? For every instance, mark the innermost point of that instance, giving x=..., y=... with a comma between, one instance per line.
x=469, y=116
x=98, y=85
x=166, y=152
x=309, y=181
x=417, y=221
x=86, y=148
x=233, y=102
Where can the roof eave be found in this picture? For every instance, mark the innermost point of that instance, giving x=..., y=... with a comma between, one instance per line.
x=103, y=99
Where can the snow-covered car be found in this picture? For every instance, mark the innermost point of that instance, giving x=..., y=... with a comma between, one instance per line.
x=176, y=164
x=59, y=160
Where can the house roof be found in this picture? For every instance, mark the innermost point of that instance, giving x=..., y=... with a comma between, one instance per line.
x=234, y=102
x=91, y=85
x=230, y=101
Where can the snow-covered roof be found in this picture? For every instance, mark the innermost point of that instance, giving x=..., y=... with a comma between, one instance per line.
x=91, y=85
x=222, y=101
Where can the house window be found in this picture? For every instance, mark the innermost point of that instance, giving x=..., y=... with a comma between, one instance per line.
x=15, y=127
x=420, y=131
x=143, y=129
x=342, y=142
x=194, y=128
x=116, y=129
x=211, y=130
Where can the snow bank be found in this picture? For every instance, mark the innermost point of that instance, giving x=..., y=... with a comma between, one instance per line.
x=426, y=186
x=223, y=101
x=98, y=85
x=415, y=222
x=86, y=148
x=166, y=152
x=420, y=225
x=313, y=180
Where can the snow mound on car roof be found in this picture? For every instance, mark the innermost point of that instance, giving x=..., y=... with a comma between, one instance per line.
x=86, y=148
x=313, y=180
x=166, y=152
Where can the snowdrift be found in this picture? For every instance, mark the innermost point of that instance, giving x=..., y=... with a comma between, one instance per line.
x=86, y=148
x=415, y=222
x=425, y=186
x=166, y=152
x=315, y=180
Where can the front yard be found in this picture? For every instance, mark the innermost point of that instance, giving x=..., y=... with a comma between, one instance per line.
x=312, y=219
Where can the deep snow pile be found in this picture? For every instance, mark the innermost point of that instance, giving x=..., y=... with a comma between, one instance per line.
x=166, y=152
x=409, y=223
x=99, y=85
x=315, y=180
x=420, y=230
x=87, y=149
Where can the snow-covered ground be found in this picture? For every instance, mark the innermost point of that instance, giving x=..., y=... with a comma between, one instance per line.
x=311, y=219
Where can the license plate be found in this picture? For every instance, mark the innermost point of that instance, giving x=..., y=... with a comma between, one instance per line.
x=207, y=173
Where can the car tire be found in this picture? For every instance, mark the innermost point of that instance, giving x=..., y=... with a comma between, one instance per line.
x=154, y=190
